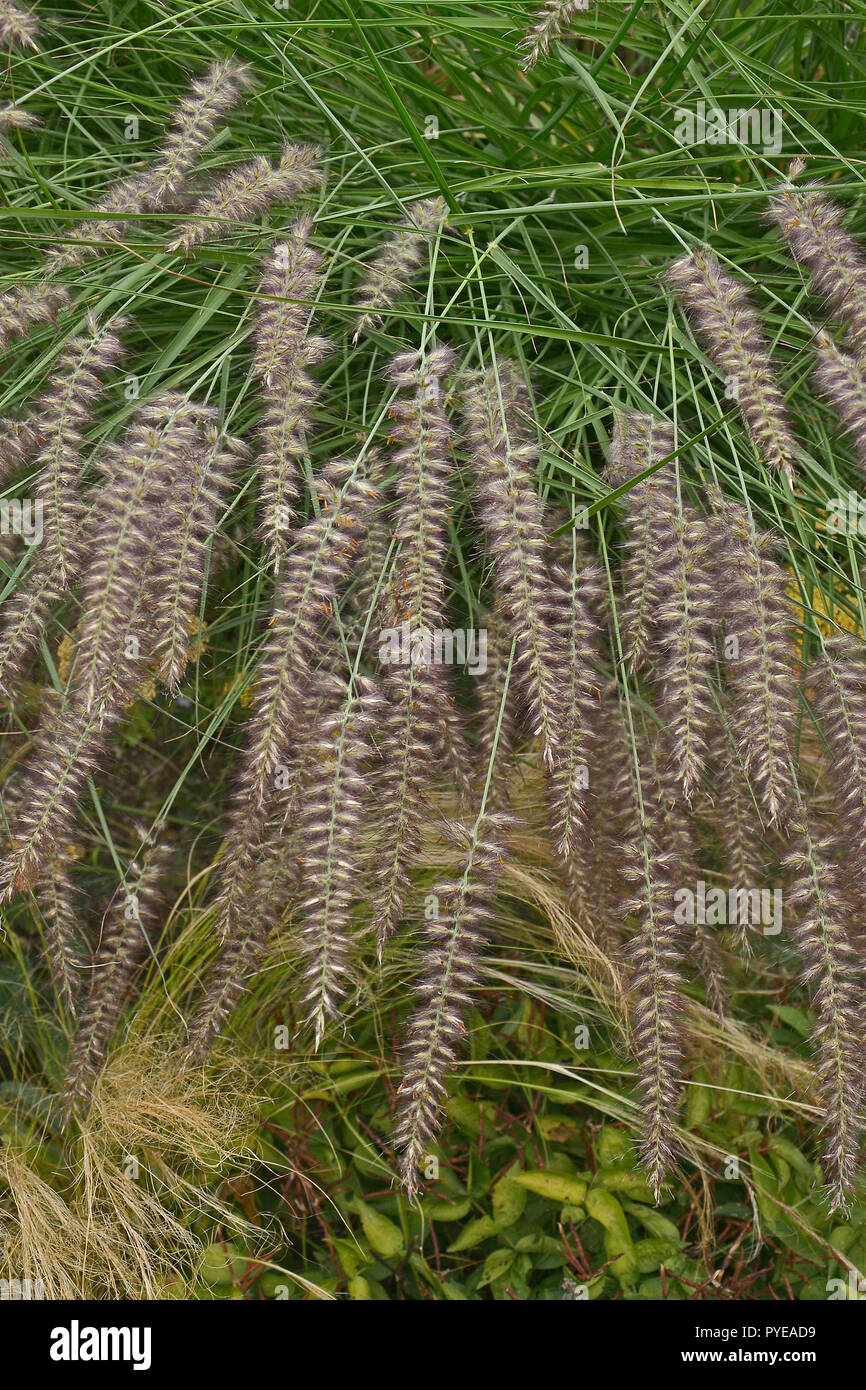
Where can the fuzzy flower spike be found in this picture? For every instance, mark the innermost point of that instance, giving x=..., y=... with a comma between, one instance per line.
x=833, y=971
x=246, y=193
x=449, y=971
x=812, y=225
x=155, y=189
x=730, y=330
x=285, y=351
x=128, y=933
x=331, y=836
x=417, y=689
x=757, y=622
x=551, y=22
x=504, y=461
x=18, y=28
x=319, y=562
x=390, y=272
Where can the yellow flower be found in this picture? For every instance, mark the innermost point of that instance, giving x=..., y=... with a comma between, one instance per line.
x=827, y=611
x=199, y=642
x=65, y=651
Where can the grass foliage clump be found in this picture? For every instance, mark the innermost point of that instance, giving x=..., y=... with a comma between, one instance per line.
x=432, y=648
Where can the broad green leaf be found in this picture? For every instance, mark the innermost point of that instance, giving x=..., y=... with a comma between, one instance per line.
x=496, y=1265
x=445, y=1211
x=627, y=1180
x=699, y=1099
x=604, y=1208
x=794, y=1157
x=613, y=1146
x=470, y=1116
x=558, y=1187
x=555, y=1127
x=221, y=1264
x=508, y=1197
x=352, y=1258
x=653, y=1221
x=383, y=1235
x=801, y=1020
x=482, y=1228
x=652, y=1252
